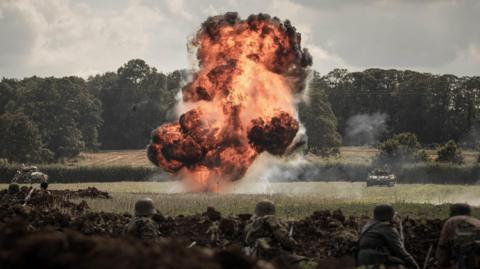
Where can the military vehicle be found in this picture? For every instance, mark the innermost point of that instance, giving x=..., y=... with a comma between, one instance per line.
x=381, y=177
x=29, y=174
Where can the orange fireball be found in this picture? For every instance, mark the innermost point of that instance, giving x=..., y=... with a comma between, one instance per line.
x=241, y=100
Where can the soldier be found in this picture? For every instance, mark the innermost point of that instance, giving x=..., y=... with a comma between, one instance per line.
x=380, y=244
x=142, y=226
x=13, y=188
x=44, y=186
x=266, y=236
x=459, y=243
x=12, y=192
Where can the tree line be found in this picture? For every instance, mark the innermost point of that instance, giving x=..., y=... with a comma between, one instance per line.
x=47, y=119
x=436, y=108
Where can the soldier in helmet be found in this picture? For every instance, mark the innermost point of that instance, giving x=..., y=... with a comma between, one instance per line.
x=12, y=191
x=380, y=244
x=13, y=188
x=266, y=236
x=459, y=244
x=44, y=186
x=142, y=226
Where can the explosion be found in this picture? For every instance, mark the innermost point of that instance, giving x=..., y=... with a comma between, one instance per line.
x=240, y=103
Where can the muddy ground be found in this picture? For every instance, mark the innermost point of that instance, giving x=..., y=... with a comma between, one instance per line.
x=50, y=226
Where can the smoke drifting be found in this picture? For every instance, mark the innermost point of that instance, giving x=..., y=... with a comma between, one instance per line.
x=240, y=102
x=365, y=129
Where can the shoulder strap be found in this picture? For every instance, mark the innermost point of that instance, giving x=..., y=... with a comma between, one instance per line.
x=360, y=238
x=368, y=229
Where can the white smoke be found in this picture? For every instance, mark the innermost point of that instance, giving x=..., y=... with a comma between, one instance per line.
x=180, y=107
x=365, y=129
x=265, y=170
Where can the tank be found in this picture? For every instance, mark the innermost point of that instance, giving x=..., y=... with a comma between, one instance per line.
x=29, y=174
x=381, y=177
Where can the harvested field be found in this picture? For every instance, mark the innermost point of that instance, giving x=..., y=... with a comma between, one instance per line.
x=139, y=158
x=129, y=157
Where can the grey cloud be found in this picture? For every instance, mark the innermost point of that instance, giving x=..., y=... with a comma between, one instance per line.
x=405, y=34
x=16, y=39
x=432, y=36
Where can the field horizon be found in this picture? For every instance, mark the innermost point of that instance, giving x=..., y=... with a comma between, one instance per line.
x=138, y=157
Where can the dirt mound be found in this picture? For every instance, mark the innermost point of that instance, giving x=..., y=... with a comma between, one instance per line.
x=323, y=235
x=327, y=234
x=90, y=192
x=420, y=235
x=37, y=197
x=70, y=249
x=330, y=234
x=41, y=200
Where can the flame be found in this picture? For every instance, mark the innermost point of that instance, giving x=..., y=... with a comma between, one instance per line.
x=241, y=101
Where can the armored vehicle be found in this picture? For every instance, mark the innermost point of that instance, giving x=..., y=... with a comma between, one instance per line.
x=29, y=174
x=381, y=177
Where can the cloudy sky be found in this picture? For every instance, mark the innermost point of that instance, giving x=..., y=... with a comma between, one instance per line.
x=65, y=37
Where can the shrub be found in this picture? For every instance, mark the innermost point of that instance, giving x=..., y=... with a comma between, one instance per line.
x=422, y=156
x=450, y=152
x=19, y=138
x=402, y=148
x=438, y=173
x=59, y=173
x=421, y=173
x=3, y=163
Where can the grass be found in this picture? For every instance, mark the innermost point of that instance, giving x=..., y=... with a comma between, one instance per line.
x=353, y=164
x=58, y=172
x=294, y=200
x=287, y=206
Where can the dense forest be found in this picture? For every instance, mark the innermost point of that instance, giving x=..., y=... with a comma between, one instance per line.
x=46, y=119
x=436, y=108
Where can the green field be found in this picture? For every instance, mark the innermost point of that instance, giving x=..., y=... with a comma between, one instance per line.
x=294, y=200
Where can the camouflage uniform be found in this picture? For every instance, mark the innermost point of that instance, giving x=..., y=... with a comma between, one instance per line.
x=143, y=228
x=214, y=231
x=455, y=230
x=380, y=246
x=267, y=237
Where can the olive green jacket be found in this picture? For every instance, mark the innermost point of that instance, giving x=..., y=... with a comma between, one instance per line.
x=380, y=243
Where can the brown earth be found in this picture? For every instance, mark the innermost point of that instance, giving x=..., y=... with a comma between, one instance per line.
x=50, y=219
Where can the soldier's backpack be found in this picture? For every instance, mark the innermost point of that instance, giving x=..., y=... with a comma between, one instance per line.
x=260, y=239
x=466, y=246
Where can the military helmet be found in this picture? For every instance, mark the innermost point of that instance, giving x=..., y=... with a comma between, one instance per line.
x=383, y=212
x=44, y=185
x=13, y=188
x=460, y=209
x=265, y=208
x=144, y=207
